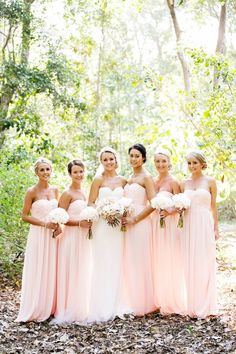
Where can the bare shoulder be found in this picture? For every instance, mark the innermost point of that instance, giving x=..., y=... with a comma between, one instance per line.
x=54, y=189
x=97, y=181
x=211, y=181
x=123, y=180
x=182, y=184
x=66, y=195
x=31, y=192
x=148, y=179
x=175, y=184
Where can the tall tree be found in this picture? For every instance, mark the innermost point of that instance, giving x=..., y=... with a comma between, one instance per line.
x=221, y=45
x=180, y=52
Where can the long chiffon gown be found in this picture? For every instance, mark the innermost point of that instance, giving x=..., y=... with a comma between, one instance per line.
x=38, y=294
x=168, y=265
x=138, y=256
x=107, y=253
x=74, y=270
x=199, y=255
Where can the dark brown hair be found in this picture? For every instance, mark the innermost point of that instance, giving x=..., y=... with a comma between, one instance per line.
x=75, y=163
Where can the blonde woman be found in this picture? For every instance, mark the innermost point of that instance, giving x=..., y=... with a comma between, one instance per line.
x=200, y=231
x=38, y=294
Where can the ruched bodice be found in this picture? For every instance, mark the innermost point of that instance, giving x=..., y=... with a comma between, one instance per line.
x=137, y=193
x=199, y=198
x=106, y=192
x=75, y=208
x=41, y=208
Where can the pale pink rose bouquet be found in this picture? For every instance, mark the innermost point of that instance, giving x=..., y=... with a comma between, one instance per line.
x=58, y=216
x=128, y=209
x=181, y=202
x=90, y=214
x=161, y=202
x=110, y=210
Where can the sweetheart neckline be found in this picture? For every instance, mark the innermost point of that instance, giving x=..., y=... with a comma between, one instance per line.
x=111, y=188
x=198, y=189
x=81, y=200
x=130, y=184
x=48, y=200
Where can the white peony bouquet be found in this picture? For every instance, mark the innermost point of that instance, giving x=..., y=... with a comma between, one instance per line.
x=90, y=214
x=162, y=202
x=110, y=210
x=128, y=209
x=58, y=216
x=181, y=202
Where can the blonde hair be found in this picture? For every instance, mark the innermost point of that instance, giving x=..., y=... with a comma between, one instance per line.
x=197, y=154
x=41, y=160
x=111, y=150
x=165, y=153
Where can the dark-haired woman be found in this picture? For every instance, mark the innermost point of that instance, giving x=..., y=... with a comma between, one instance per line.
x=138, y=259
x=74, y=254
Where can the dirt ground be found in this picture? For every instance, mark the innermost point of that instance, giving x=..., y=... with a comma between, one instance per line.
x=149, y=334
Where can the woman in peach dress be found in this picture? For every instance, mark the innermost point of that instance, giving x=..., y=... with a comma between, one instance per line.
x=199, y=233
x=74, y=253
x=38, y=294
x=168, y=267
x=138, y=256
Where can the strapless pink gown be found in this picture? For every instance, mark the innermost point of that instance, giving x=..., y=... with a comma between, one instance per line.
x=38, y=294
x=74, y=270
x=199, y=255
x=138, y=256
x=168, y=265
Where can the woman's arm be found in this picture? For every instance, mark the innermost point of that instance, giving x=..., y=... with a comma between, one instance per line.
x=213, y=191
x=94, y=189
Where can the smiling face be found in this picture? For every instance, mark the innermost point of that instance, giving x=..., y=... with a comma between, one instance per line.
x=162, y=163
x=77, y=173
x=194, y=165
x=108, y=160
x=135, y=158
x=43, y=171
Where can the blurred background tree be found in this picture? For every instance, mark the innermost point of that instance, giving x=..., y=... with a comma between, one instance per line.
x=76, y=75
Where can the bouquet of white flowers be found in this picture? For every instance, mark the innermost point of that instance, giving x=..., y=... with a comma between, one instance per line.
x=58, y=216
x=90, y=214
x=181, y=202
x=161, y=202
x=126, y=204
x=110, y=210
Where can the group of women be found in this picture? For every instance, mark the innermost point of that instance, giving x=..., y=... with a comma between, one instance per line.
x=145, y=269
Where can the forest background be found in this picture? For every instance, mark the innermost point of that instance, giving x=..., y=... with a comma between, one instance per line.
x=77, y=75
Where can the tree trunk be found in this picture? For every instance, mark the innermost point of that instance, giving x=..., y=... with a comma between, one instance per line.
x=8, y=91
x=180, y=53
x=221, y=45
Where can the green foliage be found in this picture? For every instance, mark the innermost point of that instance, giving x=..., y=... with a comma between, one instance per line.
x=14, y=182
x=12, y=10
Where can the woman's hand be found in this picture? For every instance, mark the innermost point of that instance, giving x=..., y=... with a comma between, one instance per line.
x=52, y=225
x=86, y=224
x=168, y=211
x=217, y=235
x=128, y=220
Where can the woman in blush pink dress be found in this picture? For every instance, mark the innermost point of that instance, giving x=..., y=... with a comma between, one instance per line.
x=168, y=268
x=138, y=256
x=38, y=294
x=74, y=253
x=200, y=231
